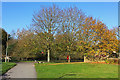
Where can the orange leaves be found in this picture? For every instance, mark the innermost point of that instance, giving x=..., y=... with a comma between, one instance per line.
x=86, y=19
x=91, y=18
x=100, y=36
x=93, y=22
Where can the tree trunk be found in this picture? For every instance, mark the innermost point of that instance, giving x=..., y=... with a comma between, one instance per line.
x=48, y=59
x=69, y=59
x=21, y=59
x=8, y=60
x=5, y=59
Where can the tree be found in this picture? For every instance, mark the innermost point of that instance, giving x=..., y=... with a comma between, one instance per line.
x=67, y=29
x=62, y=32
x=25, y=46
x=4, y=40
x=102, y=41
x=47, y=21
x=52, y=21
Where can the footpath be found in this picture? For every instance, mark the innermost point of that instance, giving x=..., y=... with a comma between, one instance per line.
x=23, y=70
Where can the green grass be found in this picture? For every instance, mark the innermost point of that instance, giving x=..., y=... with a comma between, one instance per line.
x=6, y=66
x=78, y=70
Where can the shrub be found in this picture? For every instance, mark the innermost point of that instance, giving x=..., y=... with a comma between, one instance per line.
x=14, y=59
x=112, y=61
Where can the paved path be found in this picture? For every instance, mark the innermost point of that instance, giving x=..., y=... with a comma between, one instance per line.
x=22, y=70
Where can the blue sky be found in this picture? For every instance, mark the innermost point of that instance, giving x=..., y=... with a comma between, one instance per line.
x=19, y=14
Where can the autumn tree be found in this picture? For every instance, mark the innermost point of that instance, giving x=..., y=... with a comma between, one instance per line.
x=24, y=47
x=102, y=41
x=47, y=21
x=62, y=32
x=72, y=18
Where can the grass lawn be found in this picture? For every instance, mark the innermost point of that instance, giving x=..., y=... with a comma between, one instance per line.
x=77, y=70
x=6, y=66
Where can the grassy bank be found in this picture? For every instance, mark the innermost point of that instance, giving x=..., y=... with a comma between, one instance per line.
x=6, y=66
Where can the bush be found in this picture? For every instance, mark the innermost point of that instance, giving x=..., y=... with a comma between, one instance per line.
x=14, y=59
x=112, y=61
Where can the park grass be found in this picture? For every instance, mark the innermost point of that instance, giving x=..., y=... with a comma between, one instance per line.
x=77, y=70
x=6, y=66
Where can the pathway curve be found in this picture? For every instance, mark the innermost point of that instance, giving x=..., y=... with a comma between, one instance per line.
x=22, y=70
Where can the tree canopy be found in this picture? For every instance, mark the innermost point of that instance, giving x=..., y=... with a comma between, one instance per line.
x=63, y=32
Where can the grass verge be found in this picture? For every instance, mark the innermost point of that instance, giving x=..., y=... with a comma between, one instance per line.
x=6, y=66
